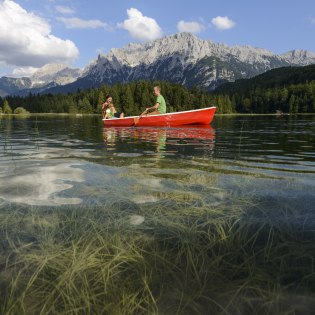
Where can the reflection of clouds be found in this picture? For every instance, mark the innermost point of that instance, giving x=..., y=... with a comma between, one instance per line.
x=37, y=184
x=37, y=171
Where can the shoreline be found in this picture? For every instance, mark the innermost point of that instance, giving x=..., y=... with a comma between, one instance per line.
x=82, y=115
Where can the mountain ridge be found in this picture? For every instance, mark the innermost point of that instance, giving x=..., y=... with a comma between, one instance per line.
x=180, y=58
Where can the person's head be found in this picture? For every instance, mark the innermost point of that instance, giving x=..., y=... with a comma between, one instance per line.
x=109, y=99
x=157, y=90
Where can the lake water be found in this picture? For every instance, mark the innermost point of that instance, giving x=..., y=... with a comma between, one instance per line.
x=56, y=161
x=192, y=220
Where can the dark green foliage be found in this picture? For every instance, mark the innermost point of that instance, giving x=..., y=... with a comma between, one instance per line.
x=288, y=89
x=84, y=106
x=6, y=108
x=132, y=98
x=20, y=111
x=126, y=100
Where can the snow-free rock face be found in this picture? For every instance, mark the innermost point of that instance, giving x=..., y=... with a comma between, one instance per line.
x=181, y=58
x=188, y=46
x=48, y=76
x=12, y=85
x=59, y=73
x=186, y=59
x=301, y=57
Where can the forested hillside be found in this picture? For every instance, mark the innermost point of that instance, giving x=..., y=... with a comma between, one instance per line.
x=289, y=89
x=132, y=98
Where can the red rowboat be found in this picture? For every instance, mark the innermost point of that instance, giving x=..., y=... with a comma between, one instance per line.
x=202, y=116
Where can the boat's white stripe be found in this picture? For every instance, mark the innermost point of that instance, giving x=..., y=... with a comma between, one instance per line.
x=187, y=111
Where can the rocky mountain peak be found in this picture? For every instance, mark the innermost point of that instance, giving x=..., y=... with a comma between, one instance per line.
x=184, y=58
x=300, y=56
x=58, y=73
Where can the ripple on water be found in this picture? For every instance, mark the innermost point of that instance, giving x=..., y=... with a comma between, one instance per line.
x=71, y=163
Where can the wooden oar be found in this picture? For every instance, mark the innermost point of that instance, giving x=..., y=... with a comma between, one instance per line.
x=136, y=119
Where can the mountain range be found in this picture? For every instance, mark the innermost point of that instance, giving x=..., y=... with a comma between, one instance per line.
x=181, y=58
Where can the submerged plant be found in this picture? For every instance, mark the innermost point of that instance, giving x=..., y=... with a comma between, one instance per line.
x=177, y=260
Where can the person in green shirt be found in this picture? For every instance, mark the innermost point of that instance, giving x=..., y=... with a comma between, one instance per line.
x=160, y=105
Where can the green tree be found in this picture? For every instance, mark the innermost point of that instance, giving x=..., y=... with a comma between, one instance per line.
x=73, y=109
x=84, y=106
x=202, y=101
x=101, y=100
x=138, y=92
x=296, y=105
x=145, y=99
x=246, y=105
x=6, y=108
x=127, y=103
x=176, y=102
x=291, y=104
x=21, y=111
x=228, y=105
x=114, y=92
x=284, y=95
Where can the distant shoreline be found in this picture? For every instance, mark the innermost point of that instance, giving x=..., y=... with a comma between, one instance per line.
x=83, y=115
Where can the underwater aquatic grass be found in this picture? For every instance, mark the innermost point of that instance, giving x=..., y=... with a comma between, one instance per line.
x=178, y=261
x=191, y=255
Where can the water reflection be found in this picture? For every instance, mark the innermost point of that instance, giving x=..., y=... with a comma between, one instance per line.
x=155, y=159
x=39, y=183
x=162, y=140
x=66, y=160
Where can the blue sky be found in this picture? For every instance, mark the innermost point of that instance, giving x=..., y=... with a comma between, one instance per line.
x=35, y=32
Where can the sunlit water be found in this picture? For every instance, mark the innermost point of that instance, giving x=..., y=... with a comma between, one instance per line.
x=58, y=161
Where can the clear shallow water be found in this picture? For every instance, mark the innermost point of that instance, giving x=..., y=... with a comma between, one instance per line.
x=57, y=161
x=220, y=218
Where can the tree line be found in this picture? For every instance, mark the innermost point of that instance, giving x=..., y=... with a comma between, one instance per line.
x=287, y=89
x=132, y=98
x=294, y=98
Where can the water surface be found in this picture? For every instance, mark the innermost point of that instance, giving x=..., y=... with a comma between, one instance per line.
x=192, y=220
x=47, y=161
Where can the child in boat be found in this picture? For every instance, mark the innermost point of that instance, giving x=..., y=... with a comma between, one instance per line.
x=109, y=110
x=160, y=104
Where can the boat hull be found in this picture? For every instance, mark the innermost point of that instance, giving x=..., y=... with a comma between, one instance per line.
x=202, y=116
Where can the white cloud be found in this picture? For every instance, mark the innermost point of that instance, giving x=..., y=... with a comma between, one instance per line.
x=74, y=22
x=141, y=27
x=64, y=10
x=191, y=27
x=222, y=23
x=312, y=20
x=26, y=39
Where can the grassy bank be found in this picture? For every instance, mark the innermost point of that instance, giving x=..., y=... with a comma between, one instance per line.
x=157, y=259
